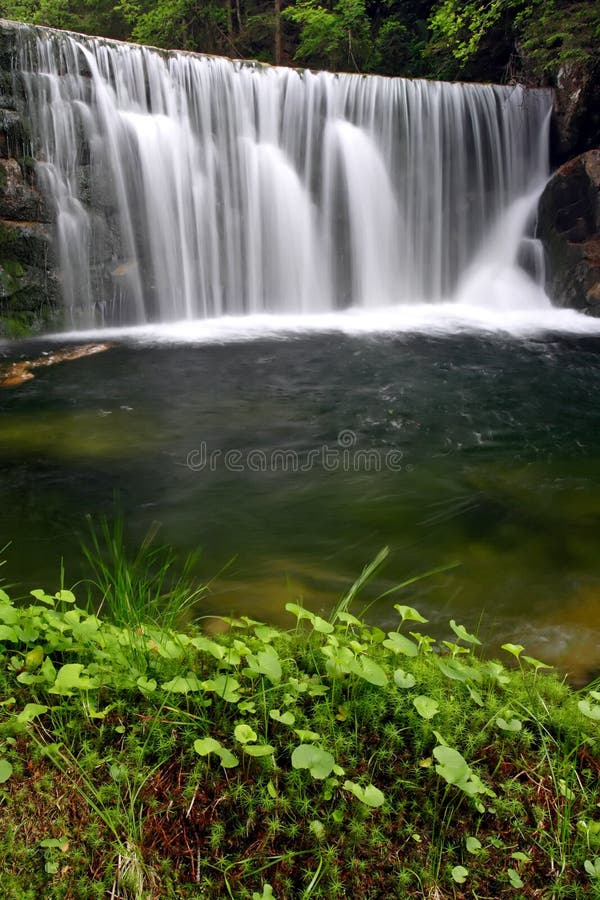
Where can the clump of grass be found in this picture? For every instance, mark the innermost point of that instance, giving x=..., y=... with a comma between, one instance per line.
x=323, y=761
x=144, y=586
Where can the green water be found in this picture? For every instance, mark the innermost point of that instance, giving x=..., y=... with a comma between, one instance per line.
x=494, y=465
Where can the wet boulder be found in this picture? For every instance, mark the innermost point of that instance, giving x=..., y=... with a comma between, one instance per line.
x=569, y=228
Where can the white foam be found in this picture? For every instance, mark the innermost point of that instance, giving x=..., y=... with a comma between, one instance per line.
x=426, y=318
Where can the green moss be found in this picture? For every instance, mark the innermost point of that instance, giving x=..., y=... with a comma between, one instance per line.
x=7, y=236
x=28, y=165
x=16, y=326
x=11, y=273
x=114, y=781
x=13, y=268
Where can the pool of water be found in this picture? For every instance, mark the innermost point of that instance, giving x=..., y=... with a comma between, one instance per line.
x=291, y=459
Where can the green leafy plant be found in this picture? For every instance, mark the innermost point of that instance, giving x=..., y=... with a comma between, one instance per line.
x=305, y=757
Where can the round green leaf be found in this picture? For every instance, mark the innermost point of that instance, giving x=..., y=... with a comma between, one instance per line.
x=319, y=762
x=591, y=710
x=473, y=845
x=404, y=679
x=322, y=625
x=461, y=632
x=515, y=879
x=8, y=634
x=259, y=749
x=369, y=795
x=408, y=613
x=286, y=718
x=513, y=725
x=228, y=760
x=397, y=643
x=204, y=746
x=34, y=658
x=427, y=707
x=244, y=734
x=317, y=829
x=369, y=670
x=459, y=874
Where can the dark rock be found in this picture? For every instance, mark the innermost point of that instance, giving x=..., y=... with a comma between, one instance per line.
x=14, y=141
x=569, y=228
x=29, y=282
x=29, y=299
x=19, y=198
x=26, y=286
x=576, y=118
x=7, y=90
x=29, y=243
x=7, y=44
x=29, y=285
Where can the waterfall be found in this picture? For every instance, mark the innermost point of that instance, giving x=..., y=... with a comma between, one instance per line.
x=188, y=186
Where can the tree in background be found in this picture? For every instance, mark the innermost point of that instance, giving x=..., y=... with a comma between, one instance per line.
x=531, y=38
x=333, y=37
x=469, y=39
x=180, y=24
x=101, y=17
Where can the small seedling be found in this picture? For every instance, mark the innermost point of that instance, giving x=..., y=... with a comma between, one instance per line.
x=460, y=874
x=515, y=879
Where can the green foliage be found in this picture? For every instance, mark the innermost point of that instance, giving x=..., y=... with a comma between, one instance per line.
x=369, y=794
x=181, y=24
x=335, y=38
x=539, y=35
x=293, y=758
x=88, y=16
x=142, y=586
x=206, y=746
x=454, y=769
x=463, y=25
x=441, y=38
x=556, y=32
x=319, y=762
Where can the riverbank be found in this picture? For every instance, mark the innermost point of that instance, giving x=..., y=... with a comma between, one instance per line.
x=145, y=756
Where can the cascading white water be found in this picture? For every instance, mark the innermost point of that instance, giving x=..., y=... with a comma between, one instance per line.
x=188, y=186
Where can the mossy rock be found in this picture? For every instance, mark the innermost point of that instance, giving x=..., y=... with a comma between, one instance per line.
x=20, y=200
x=16, y=326
x=7, y=90
x=11, y=274
x=28, y=295
x=28, y=165
x=29, y=243
x=14, y=138
x=7, y=46
x=17, y=322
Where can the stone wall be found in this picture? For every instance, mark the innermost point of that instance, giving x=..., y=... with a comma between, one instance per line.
x=29, y=286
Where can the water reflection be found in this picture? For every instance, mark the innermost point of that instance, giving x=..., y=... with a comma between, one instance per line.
x=498, y=471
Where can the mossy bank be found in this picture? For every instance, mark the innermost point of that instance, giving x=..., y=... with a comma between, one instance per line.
x=146, y=759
